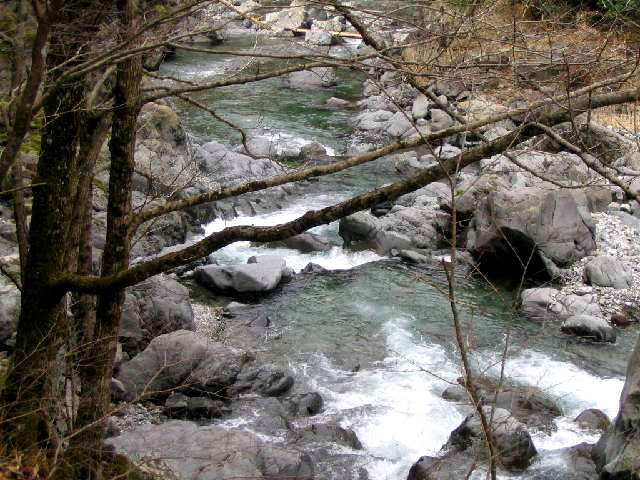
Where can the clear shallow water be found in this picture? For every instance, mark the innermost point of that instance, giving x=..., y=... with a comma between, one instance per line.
x=376, y=338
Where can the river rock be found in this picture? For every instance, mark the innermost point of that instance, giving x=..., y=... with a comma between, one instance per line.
x=262, y=275
x=292, y=17
x=192, y=452
x=451, y=466
x=590, y=327
x=514, y=445
x=156, y=306
x=403, y=228
x=439, y=120
x=337, y=103
x=9, y=313
x=316, y=37
x=375, y=120
x=511, y=228
x=544, y=304
x=180, y=359
x=607, y=271
x=304, y=243
x=180, y=406
x=617, y=453
x=224, y=165
x=317, y=433
x=593, y=419
x=456, y=393
x=263, y=379
x=315, y=78
x=304, y=404
x=399, y=124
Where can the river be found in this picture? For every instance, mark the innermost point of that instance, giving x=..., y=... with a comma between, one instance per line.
x=374, y=337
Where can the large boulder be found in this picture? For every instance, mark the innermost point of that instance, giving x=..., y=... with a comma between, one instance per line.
x=315, y=78
x=186, y=451
x=225, y=165
x=305, y=243
x=520, y=231
x=403, y=228
x=156, y=306
x=544, y=304
x=617, y=453
x=262, y=274
x=606, y=271
x=291, y=17
x=593, y=419
x=513, y=444
x=451, y=466
x=180, y=360
x=9, y=313
x=266, y=380
x=593, y=328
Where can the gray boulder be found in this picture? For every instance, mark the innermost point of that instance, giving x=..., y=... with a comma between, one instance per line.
x=305, y=243
x=9, y=313
x=291, y=17
x=322, y=433
x=263, y=379
x=186, y=451
x=262, y=275
x=606, y=271
x=225, y=165
x=156, y=306
x=514, y=446
x=403, y=228
x=316, y=37
x=180, y=359
x=544, y=304
x=451, y=466
x=511, y=229
x=304, y=404
x=180, y=406
x=590, y=327
x=399, y=124
x=439, y=120
x=617, y=453
x=315, y=78
x=593, y=419
x=338, y=103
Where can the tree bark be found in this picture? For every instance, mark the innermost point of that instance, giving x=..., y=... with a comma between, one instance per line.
x=85, y=448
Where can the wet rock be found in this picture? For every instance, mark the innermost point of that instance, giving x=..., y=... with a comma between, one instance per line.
x=607, y=271
x=451, y=466
x=590, y=327
x=118, y=391
x=403, y=228
x=304, y=404
x=156, y=306
x=199, y=408
x=209, y=452
x=542, y=304
x=262, y=275
x=620, y=320
x=514, y=445
x=315, y=78
x=263, y=379
x=593, y=419
x=180, y=360
x=304, y=243
x=381, y=209
x=313, y=268
x=327, y=433
x=509, y=226
x=456, y=393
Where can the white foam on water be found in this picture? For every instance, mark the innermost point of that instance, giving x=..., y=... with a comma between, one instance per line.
x=395, y=408
x=574, y=388
x=335, y=259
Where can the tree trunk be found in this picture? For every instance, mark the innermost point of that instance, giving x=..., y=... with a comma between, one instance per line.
x=85, y=449
x=28, y=400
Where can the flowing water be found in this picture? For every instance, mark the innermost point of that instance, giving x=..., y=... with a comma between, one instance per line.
x=374, y=336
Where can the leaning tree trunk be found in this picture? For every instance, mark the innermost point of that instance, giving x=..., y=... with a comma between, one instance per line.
x=85, y=449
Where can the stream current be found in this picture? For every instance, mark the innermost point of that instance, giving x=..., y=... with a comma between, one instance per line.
x=374, y=337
